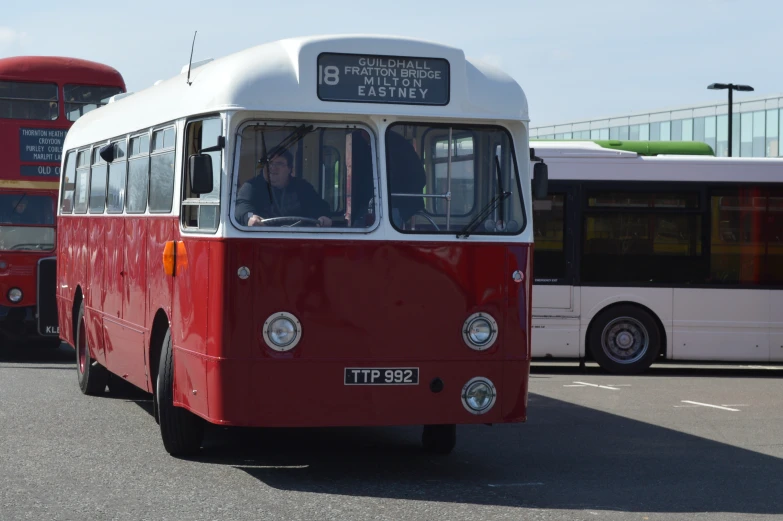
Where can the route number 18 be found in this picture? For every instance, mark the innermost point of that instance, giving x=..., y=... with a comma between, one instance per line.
x=329, y=75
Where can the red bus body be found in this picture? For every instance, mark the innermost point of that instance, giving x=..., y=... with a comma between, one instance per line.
x=226, y=374
x=30, y=156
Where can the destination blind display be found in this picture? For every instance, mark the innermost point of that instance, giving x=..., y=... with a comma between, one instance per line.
x=383, y=79
x=40, y=145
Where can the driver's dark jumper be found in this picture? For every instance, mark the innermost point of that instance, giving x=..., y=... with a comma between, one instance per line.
x=298, y=198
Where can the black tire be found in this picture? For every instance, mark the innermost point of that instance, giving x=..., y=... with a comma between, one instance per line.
x=624, y=340
x=181, y=430
x=439, y=439
x=92, y=376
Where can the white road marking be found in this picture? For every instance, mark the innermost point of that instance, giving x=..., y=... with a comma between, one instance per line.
x=601, y=386
x=710, y=405
x=535, y=484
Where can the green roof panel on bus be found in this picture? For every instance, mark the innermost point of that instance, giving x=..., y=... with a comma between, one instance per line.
x=647, y=148
x=655, y=148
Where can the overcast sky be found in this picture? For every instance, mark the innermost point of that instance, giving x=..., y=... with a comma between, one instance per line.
x=574, y=59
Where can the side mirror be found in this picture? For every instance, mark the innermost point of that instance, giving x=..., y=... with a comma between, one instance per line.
x=540, y=181
x=200, y=169
x=107, y=152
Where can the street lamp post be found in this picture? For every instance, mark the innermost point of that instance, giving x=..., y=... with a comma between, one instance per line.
x=731, y=88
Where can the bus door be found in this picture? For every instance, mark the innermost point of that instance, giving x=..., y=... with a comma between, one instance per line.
x=555, y=294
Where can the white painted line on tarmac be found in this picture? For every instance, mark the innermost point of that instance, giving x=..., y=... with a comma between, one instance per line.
x=534, y=484
x=710, y=405
x=601, y=386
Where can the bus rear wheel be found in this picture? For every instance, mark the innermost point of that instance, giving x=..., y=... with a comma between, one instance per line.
x=439, y=439
x=181, y=430
x=92, y=376
x=624, y=340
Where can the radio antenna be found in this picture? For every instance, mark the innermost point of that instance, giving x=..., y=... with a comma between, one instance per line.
x=190, y=63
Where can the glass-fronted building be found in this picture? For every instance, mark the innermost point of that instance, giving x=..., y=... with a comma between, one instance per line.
x=756, y=128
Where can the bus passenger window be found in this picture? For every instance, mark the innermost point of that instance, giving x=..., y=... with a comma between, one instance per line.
x=97, y=182
x=118, y=168
x=549, y=230
x=82, y=181
x=69, y=183
x=23, y=100
x=138, y=174
x=162, y=171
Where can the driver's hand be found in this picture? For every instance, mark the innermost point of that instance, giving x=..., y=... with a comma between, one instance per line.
x=255, y=221
x=324, y=221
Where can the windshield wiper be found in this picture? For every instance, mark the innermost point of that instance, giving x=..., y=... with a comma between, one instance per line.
x=482, y=214
x=497, y=200
x=290, y=140
x=18, y=202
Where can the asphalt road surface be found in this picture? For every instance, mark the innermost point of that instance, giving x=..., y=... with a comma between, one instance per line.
x=678, y=443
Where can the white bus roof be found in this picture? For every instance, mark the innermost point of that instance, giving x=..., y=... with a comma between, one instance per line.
x=588, y=161
x=282, y=77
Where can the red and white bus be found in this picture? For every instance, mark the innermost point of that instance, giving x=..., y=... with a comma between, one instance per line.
x=327, y=231
x=40, y=98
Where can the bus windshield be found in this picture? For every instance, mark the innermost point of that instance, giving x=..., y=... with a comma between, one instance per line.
x=305, y=175
x=453, y=178
x=26, y=222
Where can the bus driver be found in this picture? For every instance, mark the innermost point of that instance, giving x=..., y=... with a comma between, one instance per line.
x=290, y=196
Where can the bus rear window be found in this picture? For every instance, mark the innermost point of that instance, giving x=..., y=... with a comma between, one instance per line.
x=22, y=100
x=81, y=99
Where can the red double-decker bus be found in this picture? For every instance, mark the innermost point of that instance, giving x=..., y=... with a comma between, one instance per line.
x=299, y=235
x=40, y=98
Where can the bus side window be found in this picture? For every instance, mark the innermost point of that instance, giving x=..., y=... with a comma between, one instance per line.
x=138, y=174
x=162, y=171
x=202, y=211
x=69, y=183
x=82, y=181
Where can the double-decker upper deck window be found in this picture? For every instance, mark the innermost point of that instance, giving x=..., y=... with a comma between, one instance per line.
x=458, y=178
x=81, y=99
x=308, y=175
x=22, y=100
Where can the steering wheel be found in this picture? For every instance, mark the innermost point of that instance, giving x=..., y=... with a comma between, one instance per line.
x=426, y=217
x=296, y=219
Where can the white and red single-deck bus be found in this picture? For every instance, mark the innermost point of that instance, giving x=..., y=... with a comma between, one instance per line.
x=326, y=231
x=40, y=97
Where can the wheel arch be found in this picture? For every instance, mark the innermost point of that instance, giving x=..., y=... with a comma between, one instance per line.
x=160, y=324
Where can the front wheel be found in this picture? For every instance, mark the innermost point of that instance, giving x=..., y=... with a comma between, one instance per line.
x=439, y=439
x=624, y=340
x=181, y=430
x=92, y=376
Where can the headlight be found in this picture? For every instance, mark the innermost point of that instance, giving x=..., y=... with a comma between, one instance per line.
x=480, y=331
x=15, y=295
x=478, y=395
x=282, y=331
